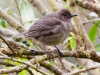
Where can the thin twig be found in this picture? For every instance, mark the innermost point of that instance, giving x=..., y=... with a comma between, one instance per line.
x=7, y=44
x=26, y=63
x=91, y=21
x=51, y=67
x=89, y=5
x=11, y=21
x=18, y=11
x=84, y=70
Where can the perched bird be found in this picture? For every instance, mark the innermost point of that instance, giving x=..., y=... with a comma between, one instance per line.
x=52, y=29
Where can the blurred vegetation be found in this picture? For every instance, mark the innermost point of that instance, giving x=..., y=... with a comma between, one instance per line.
x=26, y=14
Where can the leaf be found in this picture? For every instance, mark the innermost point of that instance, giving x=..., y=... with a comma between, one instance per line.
x=3, y=23
x=24, y=72
x=67, y=40
x=73, y=43
x=97, y=23
x=93, y=32
x=12, y=14
x=26, y=11
x=97, y=47
x=9, y=12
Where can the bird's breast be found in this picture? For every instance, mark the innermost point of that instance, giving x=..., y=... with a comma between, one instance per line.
x=53, y=39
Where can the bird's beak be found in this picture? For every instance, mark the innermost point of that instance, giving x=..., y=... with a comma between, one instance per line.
x=73, y=15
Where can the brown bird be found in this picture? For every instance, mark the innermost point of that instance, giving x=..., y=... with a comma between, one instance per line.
x=52, y=29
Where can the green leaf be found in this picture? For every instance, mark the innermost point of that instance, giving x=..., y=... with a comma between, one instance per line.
x=93, y=32
x=9, y=12
x=97, y=23
x=97, y=47
x=73, y=43
x=17, y=63
x=26, y=11
x=3, y=23
x=12, y=14
x=24, y=72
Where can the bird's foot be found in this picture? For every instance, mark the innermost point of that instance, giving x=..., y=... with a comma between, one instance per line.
x=49, y=55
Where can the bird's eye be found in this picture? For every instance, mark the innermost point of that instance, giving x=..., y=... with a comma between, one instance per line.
x=64, y=14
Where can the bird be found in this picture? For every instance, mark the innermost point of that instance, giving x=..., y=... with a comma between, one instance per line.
x=52, y=29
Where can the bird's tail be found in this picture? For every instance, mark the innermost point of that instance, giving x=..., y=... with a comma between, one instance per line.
x=20, y=34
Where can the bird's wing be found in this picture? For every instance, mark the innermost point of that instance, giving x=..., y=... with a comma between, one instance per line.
x=43, y=27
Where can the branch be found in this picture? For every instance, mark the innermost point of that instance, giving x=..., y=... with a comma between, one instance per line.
x=20, y=50
x=39, y=6
x=10, y=64
x=18, y=11
x=12, y=22
x=26, y=63
x=89, y=5
x=81, y=53
x=7, y=64
x=84, y=37
x=7, y=44
x=52, y=68
x=6, y=32
x=91, y=21
x=76, y=54
x=84, y=70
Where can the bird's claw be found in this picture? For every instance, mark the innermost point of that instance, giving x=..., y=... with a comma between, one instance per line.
x=49, y=55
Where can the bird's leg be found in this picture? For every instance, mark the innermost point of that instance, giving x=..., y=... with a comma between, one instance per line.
x=60, y=54
x=48, y=54
x=60, y=57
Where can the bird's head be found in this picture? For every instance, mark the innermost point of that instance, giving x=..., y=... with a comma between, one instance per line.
x=65, y=14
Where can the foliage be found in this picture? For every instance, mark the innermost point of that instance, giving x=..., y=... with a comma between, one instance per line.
x=94, y=34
